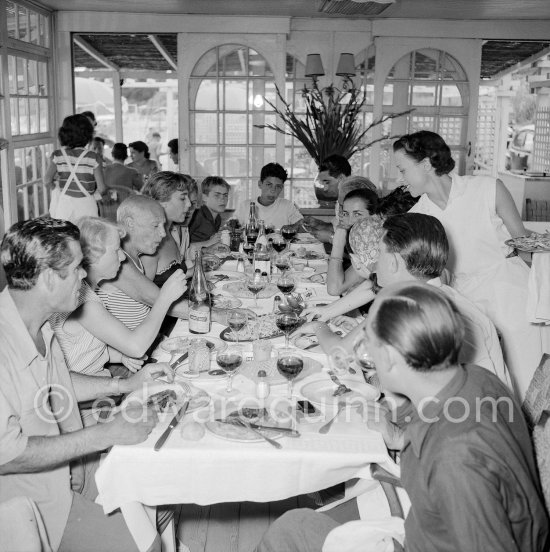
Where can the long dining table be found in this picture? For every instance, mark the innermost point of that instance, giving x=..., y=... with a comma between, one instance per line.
x=215, y=469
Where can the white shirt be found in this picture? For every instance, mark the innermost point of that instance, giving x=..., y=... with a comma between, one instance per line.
x=280, y=212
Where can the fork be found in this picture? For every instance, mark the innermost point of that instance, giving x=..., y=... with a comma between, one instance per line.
x=324, y=429
x=342, y=389
x=259, y=433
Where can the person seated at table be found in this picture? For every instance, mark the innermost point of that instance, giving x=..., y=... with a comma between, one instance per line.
x=173, y=151
x=119, y=174
x=45, y=452
x=131, y=294
x=90, y=336
x=139, y=152
x=332, y=173
x=171, y=190
x=415, y=247
x=460, y=462
x=357, y=205
x=275, y=211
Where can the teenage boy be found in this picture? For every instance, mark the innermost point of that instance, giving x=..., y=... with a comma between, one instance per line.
x=275, y=211
x=204, y=226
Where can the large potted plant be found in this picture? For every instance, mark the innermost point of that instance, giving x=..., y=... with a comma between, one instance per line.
x=330, y=125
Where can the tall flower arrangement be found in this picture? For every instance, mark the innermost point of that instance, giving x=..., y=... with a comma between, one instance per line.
x=330, y=124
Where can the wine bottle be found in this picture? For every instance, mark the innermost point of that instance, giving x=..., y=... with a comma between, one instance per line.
x=262, y=257
x=200, y=300
x=252, y=227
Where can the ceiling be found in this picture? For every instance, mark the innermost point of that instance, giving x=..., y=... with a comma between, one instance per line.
x=404, y=9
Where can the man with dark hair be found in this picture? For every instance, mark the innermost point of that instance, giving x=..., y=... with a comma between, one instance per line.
x=275, y=211
x=332, y=172
x=118, y=174
x=173, y=151
x=42, y=441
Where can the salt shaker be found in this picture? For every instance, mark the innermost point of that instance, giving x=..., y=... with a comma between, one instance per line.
x=276, y=304
x=262, y=387
x=240, y=265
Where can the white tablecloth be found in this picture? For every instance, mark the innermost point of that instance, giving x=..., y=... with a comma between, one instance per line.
x=215, y=470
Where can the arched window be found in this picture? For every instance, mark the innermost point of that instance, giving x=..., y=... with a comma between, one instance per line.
x=227, y=89
x=434, y=84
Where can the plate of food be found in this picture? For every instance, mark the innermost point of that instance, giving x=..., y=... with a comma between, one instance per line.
x=239, y=289
x=533, y=243
x=308, y=343
x=321, y=391
x=261, y=327
x=166, y=398
x=181, y=344
x=305, y=239
x=216, y=276
x=308, y=255
x=233, y=426
x=224, y=302
x=273, y=377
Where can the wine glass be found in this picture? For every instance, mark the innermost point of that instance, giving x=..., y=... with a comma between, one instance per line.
x=229, y=361
x=278, y=243
x=248, y=249
x=286, y=283
x=236, y=320
x=287, y=322
x=255, y=285
x=363, y=357
x=289, y=233
x=290, y=363
x=282, y=262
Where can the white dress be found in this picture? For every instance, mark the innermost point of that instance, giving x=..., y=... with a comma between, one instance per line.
x=483, y=273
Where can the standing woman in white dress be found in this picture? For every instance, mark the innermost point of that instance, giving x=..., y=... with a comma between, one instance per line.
x=479, y=215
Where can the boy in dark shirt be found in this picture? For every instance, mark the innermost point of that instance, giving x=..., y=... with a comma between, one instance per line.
x=204, y=226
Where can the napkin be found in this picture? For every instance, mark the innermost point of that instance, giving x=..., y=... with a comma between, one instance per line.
x=538, y=289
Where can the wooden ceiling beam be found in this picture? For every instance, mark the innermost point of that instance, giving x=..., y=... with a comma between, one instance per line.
x=163, y=51
x=91, y=51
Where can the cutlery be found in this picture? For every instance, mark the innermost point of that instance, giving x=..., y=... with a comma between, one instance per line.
x=324, y=429
x=342, y=389
x=290, y=432
x=247, y=425
x=179, y=360
x=173, y=423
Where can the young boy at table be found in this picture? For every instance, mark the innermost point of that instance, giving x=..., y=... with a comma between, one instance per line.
x=206, y=221
x=275, y=211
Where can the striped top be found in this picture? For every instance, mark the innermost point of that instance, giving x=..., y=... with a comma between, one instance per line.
x=129, y=311
x=83, y=352
x=84, y=171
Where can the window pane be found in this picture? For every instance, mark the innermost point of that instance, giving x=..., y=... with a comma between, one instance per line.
x=33, y=115
x=421, y=123
x=235, y=95
x=301, y=165
x=44, y=122
x=235, y=129
x=450, y=129
x=206, y=96
x=303, y=194
x=34, y=31
x=234, y=162
x=14, y=116
x=12, y=75
x=425, y=64
x=262, y=135
x=450, y=95
x=423, y=94
x=206, y=161
x=22, y=84
x=23, y=115
x=42, y=79
x=260, y=157
x=257, y=65
x=205, y=128
x=234, y=63
x=10, y=11
x=22, y=23
x=388, y=94
x=33, y=77
x=44, y=31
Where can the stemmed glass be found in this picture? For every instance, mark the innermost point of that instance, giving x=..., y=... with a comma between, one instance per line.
x=286, y=283
x=288, y=232
x=236, y=320
x=364, y=360
x=287, y=322
x=290, y=363
x=255, y=285
x=282, y=262
x=229, y=361
x=278, y=243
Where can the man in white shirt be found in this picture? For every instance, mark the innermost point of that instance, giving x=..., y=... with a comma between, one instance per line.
x=275, y=211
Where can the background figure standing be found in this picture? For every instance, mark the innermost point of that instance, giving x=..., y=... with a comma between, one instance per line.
x=79, y=171
x=139, y=152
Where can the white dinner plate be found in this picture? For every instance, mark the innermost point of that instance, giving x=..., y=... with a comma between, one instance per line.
x=321, y=391
x=199, y=397
x=232, y=276
x=181, y=344
x=308, y=343
x=224, y=302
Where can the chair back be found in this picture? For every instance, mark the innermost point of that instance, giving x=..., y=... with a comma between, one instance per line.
x=537, y=410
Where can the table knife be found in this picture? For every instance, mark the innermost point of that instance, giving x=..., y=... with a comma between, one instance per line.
x=173, y=423
x=286, y=430
x=179, y=360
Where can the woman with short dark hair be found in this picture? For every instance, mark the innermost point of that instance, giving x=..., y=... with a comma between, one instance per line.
x=139, y=152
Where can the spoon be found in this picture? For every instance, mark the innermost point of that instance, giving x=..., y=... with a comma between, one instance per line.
x=324, y=429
